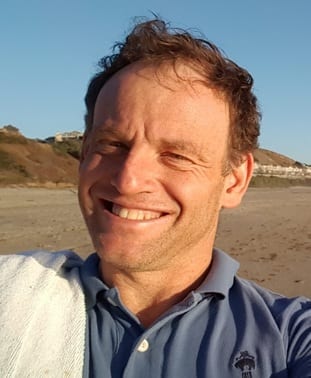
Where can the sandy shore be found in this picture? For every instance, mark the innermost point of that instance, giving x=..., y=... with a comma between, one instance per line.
x=270, y=233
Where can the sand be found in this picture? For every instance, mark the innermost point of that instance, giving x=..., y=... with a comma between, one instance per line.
x=269, y=234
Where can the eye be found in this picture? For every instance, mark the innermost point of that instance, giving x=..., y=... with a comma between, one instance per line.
x=116, y=144
x=176, y=156
x=106, y=147
x=176, y=160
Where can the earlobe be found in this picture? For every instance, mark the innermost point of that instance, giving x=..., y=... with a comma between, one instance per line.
x=237, y=181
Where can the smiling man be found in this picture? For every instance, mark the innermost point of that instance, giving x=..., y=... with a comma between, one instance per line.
x=170, y=129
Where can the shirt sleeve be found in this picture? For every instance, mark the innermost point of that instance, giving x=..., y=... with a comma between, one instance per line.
x=297, y=324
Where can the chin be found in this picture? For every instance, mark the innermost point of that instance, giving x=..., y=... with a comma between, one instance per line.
x=122, y=256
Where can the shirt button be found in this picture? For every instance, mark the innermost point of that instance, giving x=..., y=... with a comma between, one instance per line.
x=143, y=346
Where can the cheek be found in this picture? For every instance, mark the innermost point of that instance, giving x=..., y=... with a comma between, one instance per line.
x=90, y=163
x=91, y=169
x=186, y=190
x=196, y=193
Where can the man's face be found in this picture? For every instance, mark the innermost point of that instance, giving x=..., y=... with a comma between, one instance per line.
x=151, y=182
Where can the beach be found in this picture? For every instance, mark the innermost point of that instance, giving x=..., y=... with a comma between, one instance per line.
x=269, y=233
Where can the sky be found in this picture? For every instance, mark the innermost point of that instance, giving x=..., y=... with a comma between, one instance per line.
x=49, y=50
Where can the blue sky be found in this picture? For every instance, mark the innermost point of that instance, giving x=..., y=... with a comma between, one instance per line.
x=49, y=51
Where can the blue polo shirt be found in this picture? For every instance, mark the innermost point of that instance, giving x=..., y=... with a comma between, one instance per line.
x=227, y=327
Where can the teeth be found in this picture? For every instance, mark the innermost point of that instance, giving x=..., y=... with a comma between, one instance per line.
x=134, y=214
x=123, y=213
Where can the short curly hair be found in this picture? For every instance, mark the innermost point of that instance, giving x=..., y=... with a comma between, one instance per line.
x=154, y=43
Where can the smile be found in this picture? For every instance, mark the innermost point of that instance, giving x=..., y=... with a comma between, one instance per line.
x=134, y=214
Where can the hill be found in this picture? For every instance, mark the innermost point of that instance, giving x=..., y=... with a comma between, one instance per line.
x=266, y=157
x=25, y=161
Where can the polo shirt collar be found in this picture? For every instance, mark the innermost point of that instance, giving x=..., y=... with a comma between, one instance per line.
x=92, y=283
x=219, y=278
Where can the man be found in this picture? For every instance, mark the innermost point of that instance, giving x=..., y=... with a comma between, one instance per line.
x=170, y=129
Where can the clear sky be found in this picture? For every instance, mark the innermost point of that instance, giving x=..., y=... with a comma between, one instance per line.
x=49, y=51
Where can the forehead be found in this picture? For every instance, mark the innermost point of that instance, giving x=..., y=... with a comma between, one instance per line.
x=161, y=100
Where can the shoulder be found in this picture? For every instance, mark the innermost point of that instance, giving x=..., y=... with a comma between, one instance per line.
x=31, y=278
x=278, y=304
x=37, y=269
x=291, y=316
x=40, y=295
x=41, y=259
x=280, y=307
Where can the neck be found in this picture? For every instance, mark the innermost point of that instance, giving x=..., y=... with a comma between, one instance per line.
x=149, y=294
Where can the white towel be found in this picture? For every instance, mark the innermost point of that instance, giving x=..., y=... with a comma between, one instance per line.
x=42, y=315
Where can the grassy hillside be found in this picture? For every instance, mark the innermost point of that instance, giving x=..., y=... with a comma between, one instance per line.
x=25, y=161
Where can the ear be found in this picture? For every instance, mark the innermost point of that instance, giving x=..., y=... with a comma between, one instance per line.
x=237, y=181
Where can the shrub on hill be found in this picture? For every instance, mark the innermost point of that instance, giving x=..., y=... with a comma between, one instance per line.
x=10, y=171
x=72, y=147
x=12, y=138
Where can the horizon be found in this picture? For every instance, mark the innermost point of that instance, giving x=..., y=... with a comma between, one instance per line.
x=50, y=52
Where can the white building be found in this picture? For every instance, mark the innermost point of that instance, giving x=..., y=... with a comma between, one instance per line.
x=288, y=172
x=71, y=135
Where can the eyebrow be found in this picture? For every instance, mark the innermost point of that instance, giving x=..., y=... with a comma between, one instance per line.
x=108, y=131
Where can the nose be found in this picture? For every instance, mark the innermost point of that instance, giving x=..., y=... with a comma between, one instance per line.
x=136, y=173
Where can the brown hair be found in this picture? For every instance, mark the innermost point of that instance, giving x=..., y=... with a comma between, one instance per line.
x=155, y=43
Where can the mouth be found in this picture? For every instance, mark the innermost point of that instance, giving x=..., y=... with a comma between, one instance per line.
x=132, y=214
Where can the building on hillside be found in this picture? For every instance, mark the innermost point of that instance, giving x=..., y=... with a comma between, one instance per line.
x=301, y=171
x=71, y=135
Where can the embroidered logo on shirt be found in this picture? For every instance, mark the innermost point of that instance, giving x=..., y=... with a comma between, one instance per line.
x=246, y=363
